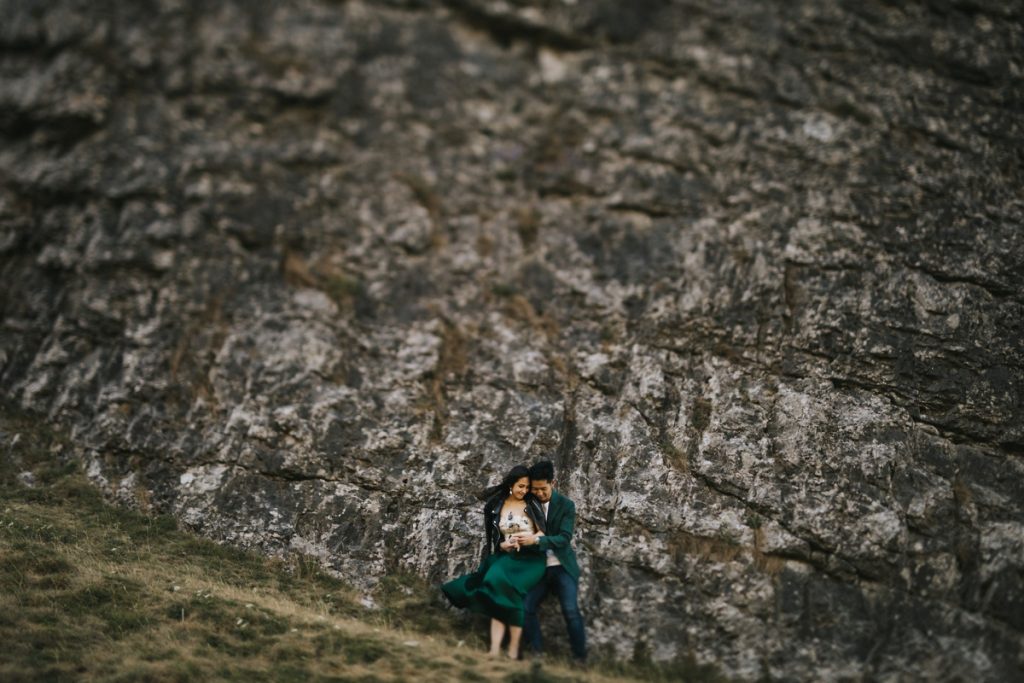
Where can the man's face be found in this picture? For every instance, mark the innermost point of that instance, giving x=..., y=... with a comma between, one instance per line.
x=541, y=489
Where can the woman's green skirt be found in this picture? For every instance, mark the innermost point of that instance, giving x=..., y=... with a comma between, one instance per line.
x=499, y=584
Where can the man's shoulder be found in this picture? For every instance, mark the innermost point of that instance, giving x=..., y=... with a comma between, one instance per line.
x=562, y=500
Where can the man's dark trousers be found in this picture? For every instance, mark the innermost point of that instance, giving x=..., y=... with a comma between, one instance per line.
x=559, y=581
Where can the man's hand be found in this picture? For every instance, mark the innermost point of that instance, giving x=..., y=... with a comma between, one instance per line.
x=526, y=539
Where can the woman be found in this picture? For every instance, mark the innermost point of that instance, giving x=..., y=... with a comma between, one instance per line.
x=508, y=571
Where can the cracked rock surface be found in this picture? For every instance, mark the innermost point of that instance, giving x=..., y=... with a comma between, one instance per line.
x=308, y=274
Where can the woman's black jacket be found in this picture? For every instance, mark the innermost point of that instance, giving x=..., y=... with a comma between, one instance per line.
x=492, y=511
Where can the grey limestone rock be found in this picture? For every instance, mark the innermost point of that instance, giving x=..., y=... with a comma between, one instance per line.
x=308, y=274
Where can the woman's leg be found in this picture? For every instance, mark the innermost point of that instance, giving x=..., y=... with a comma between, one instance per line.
x=497, y=635
x=514, y=633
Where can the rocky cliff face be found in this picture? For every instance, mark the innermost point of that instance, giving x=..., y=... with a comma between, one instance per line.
x=310, y=273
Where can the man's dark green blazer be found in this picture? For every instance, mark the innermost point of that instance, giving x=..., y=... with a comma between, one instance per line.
x=560, y=523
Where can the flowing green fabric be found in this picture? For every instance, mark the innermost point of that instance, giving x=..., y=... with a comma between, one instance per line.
x=499, y=584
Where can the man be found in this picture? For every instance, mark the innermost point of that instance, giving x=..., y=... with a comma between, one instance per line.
x=563, y=573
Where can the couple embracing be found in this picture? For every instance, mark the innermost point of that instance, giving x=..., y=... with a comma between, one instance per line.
x=528, y=529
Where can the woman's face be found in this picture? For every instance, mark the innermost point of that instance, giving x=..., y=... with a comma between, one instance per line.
x=520, y=488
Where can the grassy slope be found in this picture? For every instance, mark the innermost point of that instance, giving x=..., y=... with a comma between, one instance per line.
x=89, y=591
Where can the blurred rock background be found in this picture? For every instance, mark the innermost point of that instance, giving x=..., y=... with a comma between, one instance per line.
x=310, y=273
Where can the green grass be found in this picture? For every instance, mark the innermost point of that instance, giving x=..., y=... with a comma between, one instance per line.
x=93, y=592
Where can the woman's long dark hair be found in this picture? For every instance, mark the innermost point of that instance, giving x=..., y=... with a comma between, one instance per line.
x=514, y=475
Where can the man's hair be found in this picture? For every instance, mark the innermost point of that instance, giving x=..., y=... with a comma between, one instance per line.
x=542, y=470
